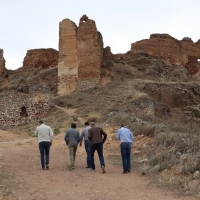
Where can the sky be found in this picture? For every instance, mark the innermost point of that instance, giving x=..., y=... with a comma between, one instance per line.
x=33, y=24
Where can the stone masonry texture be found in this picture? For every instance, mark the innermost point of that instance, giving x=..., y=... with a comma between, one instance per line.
x=80, y=55
x=19, y=108
x=41, y=58
x=2, y=63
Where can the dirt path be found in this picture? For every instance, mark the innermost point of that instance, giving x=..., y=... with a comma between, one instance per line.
x=28, y=182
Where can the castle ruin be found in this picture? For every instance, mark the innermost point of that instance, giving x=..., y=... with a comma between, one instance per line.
x=80, y=55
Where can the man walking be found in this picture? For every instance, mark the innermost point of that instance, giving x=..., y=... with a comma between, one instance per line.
x=72, y=138
x=126, y=138
x=96, y=143
x=45, y=136
x=84, y=134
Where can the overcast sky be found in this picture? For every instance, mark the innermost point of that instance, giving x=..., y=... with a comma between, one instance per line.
x=32, y=24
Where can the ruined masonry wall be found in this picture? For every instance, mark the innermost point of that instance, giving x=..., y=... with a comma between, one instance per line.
x=41, y=58
x=68, y=58
x=176, y=52
x=2, y=63
x=90, y=49
x=80, y=55
x=19, y=108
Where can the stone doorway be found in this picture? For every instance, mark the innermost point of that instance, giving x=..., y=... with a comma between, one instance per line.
x=23, y=112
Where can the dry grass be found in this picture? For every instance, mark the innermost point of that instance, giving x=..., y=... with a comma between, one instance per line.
x=113, y=102
x=94, y=117
x=4, y=176
x=177, y=154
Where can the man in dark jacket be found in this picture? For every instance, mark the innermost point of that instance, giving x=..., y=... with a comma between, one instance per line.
x=96, y=143
x=72, y=138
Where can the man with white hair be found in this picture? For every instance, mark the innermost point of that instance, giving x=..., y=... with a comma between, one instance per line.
x=126, y=138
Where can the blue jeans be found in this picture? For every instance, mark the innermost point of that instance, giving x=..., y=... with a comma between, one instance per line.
x=126, y=155
x=44, y=148
x=87, y=149
x=99, y=148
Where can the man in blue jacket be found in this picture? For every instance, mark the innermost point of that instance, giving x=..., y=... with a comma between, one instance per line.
x=126, y=138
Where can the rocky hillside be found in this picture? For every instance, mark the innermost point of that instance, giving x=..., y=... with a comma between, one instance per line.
x=153, y=88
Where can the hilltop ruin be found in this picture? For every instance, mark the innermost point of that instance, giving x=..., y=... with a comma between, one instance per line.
x=82, y=61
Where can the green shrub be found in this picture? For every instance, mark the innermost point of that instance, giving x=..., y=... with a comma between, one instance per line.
x=56, y=131
x=75, y=117
x=153, y=162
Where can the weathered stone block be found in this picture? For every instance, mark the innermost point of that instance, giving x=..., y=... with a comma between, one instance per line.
x=3, y=69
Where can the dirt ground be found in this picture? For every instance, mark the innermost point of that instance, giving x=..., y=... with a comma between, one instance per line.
x=26, y=181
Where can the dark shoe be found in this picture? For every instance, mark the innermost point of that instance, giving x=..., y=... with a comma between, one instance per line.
x=103, y=169
x=88, y=167
x=125, y=172
x=47, y=167
x=129, y=171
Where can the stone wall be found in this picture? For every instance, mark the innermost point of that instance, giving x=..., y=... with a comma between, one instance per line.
x=41, y=58
x=173, y=51
x=3, y=70
x=90, y=49
x=80, y=55
x=19, y=108
x=68, y=57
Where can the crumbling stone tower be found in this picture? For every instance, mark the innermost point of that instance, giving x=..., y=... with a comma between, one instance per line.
x=80, y=55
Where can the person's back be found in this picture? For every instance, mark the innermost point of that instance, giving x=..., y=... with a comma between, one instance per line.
x=96, y=143
x=44, y=133
x=45, y=136
x=84, y=134
x=72, y=136
x=126, y=138
x=95, y=135
x=125, y=135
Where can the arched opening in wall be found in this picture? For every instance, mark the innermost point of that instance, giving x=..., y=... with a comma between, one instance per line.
x=23, y=112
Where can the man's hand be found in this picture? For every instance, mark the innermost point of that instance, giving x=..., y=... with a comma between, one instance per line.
x=80, y=144
x=51, y=143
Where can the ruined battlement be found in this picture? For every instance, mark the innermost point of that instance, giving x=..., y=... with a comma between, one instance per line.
x=41, y=58
x=175, y=52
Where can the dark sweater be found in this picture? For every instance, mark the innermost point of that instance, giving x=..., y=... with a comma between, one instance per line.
x=95, y=135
